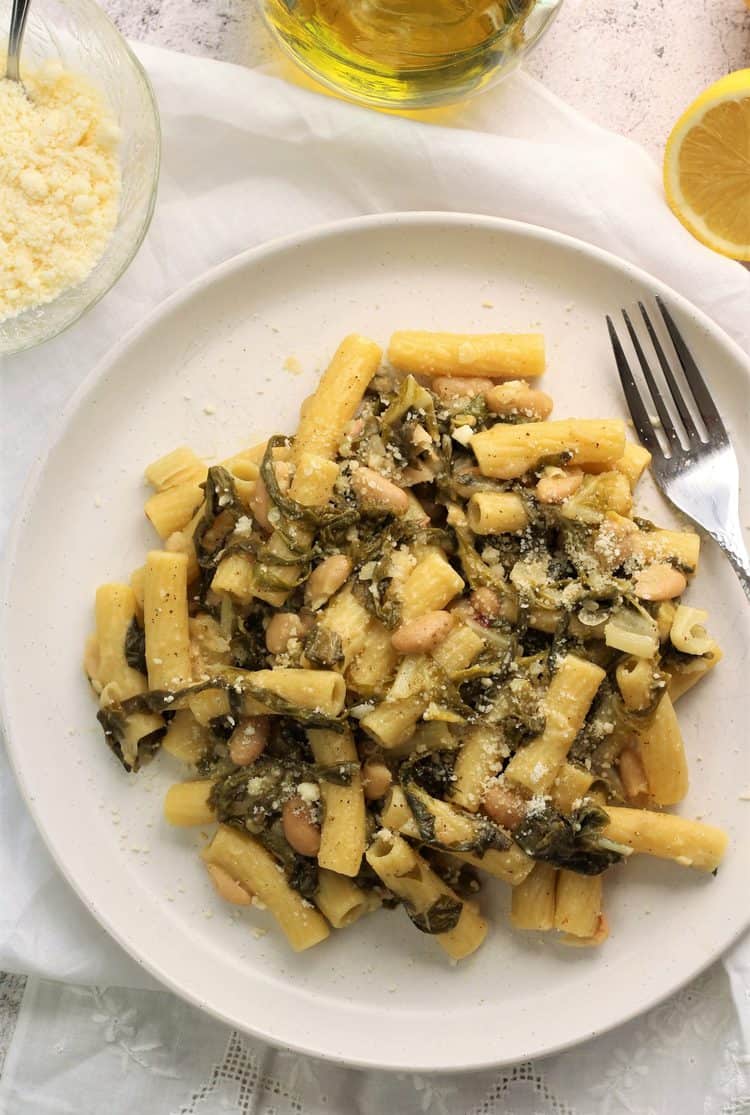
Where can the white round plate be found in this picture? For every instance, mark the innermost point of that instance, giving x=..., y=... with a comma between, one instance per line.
x=211, y=369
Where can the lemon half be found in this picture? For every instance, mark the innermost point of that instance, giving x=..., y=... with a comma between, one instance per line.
x=707, y=166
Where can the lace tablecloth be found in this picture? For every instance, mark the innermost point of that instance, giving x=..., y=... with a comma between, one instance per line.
x=517, y=152
x=114, y=1051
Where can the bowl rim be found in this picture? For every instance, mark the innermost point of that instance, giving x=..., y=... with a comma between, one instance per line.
x=35, y=342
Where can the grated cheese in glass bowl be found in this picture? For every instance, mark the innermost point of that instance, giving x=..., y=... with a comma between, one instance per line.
x=81, y=155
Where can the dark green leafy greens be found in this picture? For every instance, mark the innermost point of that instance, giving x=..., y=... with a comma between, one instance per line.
x=442, y=916
x=252, y=796
x=570, y=842
x=135, y=647
x=131, y=756
x=323, y=647
x=220, y=515
x=301, y=871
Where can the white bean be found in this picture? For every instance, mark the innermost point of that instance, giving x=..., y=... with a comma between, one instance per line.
x=504, y=806
x=281, y=628
x=376, y=779
x=557, y=486
x=377, y=493
x=516, y=397
x=260, y=501
x=227, y=887
x=632, y=774
x=248, y=740
x=300, y=830
x=460, y=387
x=422, y=634
x=325, y=579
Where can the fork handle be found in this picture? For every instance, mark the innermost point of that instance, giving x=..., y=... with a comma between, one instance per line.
x=734, y=547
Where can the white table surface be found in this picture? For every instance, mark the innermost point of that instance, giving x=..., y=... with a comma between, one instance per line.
x=630, y=65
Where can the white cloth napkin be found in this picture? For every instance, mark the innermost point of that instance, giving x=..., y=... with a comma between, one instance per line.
x=248, y=157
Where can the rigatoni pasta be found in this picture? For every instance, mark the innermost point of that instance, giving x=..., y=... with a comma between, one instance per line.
x=421, y=647
x=495, y=355
x=507, y=451
x=246, y=860
x=343, y=827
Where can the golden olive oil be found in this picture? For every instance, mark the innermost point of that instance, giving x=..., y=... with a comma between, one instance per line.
x=402, y=53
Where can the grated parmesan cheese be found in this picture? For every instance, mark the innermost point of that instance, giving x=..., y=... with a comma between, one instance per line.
x=463, y=435
x=59, y=188
x=537, y=805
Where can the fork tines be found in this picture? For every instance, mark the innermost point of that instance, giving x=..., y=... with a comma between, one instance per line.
x=689, y=437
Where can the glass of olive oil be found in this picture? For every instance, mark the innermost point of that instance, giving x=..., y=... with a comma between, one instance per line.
x=408, y=53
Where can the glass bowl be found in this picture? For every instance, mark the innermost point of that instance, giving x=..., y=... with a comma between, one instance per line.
x=84, y=40
x=408, y=54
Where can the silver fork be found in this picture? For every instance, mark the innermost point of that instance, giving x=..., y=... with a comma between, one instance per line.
x=698, y=476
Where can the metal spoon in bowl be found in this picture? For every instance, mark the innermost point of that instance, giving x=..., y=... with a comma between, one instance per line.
x=18, y=15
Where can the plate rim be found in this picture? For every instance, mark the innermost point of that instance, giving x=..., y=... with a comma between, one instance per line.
x=216, y=273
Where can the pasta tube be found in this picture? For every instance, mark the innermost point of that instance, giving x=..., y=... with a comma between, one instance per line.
x=115, y=611
x=165, y=612
x=247, y=861
x=341, y=901
x=407, y=875
x=350, y=620
x=633, y=463
x=459, y=650
x=512, y=866
x=690, y=843
x=663, y=756
x=571, y=691
x=186, y=803
x=496, y=513
x=480, y=757
x=571, y=784
x=372, y=670
x=111, y=674
x=507, y=452
x=578, y=903
x=186, y=739
x=396, y=814
x=175, y=468
x=342, y=838
x=321, y=690
x=325, y=414
x=314, y=480
x=495, y=355
x=679, y=546
x=430, y=586
x=533, y=901
x=684, y=675
x=172, y=509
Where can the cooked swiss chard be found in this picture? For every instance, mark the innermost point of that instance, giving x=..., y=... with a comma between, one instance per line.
x=573, y=842
x=135, y=647
x=440, y=917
